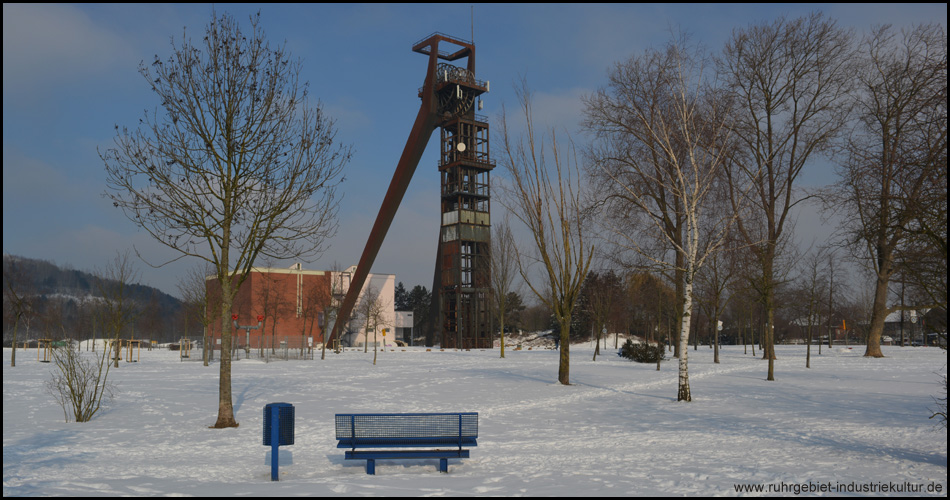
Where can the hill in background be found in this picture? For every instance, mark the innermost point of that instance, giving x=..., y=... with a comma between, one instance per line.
x=64, y=305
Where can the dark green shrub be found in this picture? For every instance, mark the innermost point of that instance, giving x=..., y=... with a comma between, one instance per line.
x=641, y=352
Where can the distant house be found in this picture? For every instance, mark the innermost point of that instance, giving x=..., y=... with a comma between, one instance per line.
x=295, y=308
x=906, y=323
x=405, y=322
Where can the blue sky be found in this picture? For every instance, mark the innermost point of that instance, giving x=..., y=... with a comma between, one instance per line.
x=69, y=76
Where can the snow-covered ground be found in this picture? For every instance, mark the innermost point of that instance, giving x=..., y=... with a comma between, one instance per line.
x=849, y=423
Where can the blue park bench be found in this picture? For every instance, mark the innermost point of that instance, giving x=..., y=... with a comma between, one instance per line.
x=372, y=436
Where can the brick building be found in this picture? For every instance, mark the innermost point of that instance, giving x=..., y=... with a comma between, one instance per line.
x=297, y=307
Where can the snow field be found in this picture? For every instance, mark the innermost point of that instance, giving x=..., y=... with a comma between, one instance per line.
x=616, y=431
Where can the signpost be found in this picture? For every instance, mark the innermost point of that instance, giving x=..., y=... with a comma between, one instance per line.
x=247, y=332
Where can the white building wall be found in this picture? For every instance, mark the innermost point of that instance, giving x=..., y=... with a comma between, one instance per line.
x=385, y=285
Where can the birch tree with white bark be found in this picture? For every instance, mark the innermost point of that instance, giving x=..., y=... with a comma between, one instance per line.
x=661, y=127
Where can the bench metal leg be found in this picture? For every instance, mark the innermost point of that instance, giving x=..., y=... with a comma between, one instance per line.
x=372, y=456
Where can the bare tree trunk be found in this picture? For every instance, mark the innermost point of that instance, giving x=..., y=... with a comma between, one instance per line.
x=564, y=365
x=13, y=353
x=225, y=404
x=682, y=393
x=17, y=292
x=597, y=345
x=752, y=333
x=808, y=337
x=768, y=348
x=878, y=314
x=746, y=336
x=715, y=326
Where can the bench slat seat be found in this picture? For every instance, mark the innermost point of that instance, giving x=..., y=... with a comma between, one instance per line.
x=448, y=431
x=397, y=454
x=405, y=442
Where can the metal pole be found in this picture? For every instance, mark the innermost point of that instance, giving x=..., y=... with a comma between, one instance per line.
x=274, y=440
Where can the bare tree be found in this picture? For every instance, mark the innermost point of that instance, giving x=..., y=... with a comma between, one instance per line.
x=337, y=292
x=835, y=273
x=54, y=318
x=744, y=308
x=671, y=135
x=812, y=286
x=652, y=305
x=272, y=304
x=371, y=310
x=927, y=247
x=315, y=298
x=504, y=265
x=715, y=281
x=18, y=296
x=199, y=303
x=627, y=154
x=85, y=318
x=150, y=320
x=238, y=166
x=789, y=79
x=544, y=194
x=601, y=293
x=118, y=311
x=895, y=154
x=81, y=384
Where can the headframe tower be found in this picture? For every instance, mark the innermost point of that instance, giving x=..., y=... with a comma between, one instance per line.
x=461, y=292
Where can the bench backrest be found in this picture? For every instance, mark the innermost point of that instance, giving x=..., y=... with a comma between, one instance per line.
x=406, y=429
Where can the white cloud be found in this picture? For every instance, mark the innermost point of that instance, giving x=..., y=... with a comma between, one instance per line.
x=45, y=44
x=557, y=110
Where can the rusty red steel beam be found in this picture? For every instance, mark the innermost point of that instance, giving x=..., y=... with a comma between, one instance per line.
x=425, y=124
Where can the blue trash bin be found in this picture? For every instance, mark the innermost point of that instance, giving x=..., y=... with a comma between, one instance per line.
x=278, y=431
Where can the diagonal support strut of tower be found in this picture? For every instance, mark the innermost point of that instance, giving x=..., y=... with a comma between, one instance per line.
x=426, y=122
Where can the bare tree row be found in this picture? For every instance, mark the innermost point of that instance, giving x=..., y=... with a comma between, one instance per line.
x=696, y=171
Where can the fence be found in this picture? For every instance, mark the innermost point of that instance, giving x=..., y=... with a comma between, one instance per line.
x=283, y=347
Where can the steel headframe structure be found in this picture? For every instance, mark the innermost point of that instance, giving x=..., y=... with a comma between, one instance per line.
x=461, y=289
